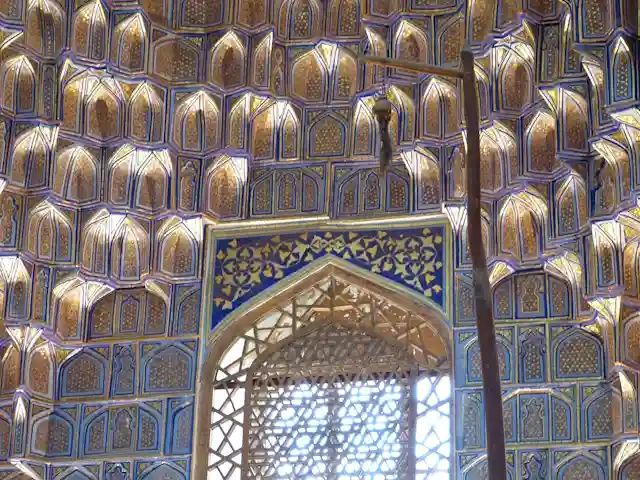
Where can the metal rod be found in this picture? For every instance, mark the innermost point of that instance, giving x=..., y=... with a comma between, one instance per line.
x=484, y=311
x=411, y=66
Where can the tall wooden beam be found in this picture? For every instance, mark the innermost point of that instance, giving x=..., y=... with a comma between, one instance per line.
x=494, y=425
x=484, y=310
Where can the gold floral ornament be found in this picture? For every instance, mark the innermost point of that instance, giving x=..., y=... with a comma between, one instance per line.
x=247, y=266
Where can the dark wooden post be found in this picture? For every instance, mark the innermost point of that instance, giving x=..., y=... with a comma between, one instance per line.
x=484, y=310
x=484, y=313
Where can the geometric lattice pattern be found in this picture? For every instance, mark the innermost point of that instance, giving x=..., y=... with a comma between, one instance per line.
x=307, y=393
x=331, y=404
x=356, y=427
x=334, y=403
x=433, y=445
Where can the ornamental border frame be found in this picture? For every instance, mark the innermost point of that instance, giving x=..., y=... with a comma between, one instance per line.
x=286, y=289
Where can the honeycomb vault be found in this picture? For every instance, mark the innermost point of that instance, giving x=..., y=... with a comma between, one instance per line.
x=169, y=169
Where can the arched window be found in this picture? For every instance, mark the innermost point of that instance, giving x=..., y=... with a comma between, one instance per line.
x=337, y=379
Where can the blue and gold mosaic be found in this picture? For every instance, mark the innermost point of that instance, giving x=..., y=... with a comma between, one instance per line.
x=247, y=266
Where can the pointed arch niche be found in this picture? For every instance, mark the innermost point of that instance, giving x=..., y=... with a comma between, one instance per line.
x=334, y=349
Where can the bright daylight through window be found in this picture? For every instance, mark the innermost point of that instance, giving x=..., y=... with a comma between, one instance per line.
x=354, y=430
x=334, y=403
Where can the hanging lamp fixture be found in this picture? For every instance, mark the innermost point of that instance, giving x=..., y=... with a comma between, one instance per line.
x=382, y=111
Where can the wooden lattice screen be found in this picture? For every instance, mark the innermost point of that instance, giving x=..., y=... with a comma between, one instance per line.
x=327, y=402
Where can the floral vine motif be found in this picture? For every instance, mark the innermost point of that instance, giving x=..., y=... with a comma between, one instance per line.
x=245, y=267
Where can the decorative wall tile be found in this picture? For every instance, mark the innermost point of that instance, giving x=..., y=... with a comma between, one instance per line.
x=382, y=252
x=126, y=128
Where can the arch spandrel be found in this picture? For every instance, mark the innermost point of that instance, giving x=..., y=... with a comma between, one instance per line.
x=397, y=298
x=412, y=258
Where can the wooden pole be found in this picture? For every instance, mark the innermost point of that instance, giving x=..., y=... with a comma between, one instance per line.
x=411, y=66
x=484, y=310
x=494, y=425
